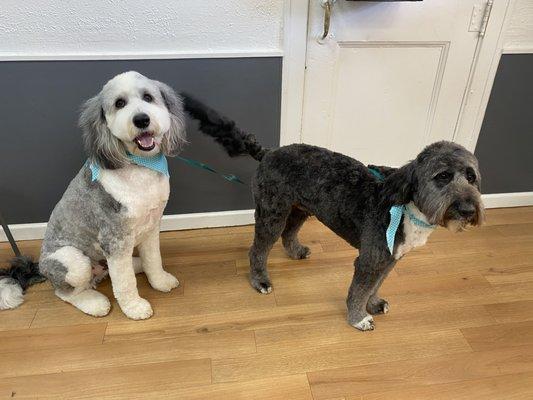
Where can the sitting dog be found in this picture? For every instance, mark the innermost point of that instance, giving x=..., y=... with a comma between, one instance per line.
x=117, y=199
x=384, y=212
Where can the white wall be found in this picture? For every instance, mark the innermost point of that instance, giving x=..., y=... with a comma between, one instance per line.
x=518, y=35
x=44, y=27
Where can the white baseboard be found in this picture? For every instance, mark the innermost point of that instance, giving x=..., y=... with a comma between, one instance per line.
x=207, y=220
x=498, y=200
x=25, y=231
x=168, y=223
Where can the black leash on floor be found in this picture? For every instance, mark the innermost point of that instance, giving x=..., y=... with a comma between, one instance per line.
x=9, y=236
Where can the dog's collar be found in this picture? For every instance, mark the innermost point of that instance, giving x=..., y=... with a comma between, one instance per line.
x=396, y=213
x=156, y=163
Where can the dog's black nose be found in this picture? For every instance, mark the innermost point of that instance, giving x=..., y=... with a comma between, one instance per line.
x=141, y=120
x=466, y=210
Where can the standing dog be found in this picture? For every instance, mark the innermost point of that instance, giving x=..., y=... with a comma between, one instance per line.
x=384, y=217
x=117, y=199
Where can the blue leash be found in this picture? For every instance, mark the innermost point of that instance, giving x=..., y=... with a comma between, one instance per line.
x=159, y=163
x=200, y=165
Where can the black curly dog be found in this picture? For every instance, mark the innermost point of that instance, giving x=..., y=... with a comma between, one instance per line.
x=439, y=187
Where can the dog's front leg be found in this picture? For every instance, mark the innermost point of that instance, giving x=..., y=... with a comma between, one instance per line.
x=152, y=264
x=366, y=280
x=125, y=286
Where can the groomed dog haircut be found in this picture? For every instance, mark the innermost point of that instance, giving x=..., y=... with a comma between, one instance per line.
x=116, y=200
x=383, y=216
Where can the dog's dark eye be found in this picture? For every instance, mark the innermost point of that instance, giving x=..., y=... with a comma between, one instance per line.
x=443, y=177
x=148, y=98
x=470, y=176
x=120, y=103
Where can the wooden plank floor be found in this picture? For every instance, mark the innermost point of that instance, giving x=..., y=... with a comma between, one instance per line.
x=460, y=326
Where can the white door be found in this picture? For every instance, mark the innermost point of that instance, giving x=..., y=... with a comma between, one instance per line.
x=391, y=76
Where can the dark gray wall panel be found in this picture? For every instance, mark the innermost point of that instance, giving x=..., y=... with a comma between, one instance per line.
x=41, y=148
x=505, y=144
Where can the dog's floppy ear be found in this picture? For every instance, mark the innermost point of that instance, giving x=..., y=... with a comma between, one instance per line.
x=101, y=146
x=400, y=185
x=175, y=137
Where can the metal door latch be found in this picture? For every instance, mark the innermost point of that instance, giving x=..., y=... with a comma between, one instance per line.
x=328, y=5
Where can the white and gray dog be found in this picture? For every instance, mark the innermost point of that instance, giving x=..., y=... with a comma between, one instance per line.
x=116, y=200
x=383, y=212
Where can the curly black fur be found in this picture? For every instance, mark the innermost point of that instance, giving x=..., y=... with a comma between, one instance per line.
x=24, y=271
x=235, y=141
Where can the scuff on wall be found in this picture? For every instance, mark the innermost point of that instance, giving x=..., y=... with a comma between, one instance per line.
x=77, y=27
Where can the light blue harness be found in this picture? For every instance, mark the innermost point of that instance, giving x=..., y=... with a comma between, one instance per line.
x=396, y=213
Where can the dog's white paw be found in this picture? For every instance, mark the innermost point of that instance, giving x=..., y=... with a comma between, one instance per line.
x=366, y=324
x=98, y=307
x=137, y=309
x=164, y=282
x=89, y=301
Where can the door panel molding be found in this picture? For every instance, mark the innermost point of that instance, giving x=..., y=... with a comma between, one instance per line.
x=443, y=46
x=334, y=103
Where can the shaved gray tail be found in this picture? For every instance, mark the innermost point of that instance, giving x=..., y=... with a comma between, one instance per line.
x=235, y=141
x=15, y=280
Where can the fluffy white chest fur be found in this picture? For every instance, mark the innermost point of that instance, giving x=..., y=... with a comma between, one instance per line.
x=415, y=235
x=142, y=191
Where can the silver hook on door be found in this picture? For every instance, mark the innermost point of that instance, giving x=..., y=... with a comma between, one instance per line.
x=328, y=5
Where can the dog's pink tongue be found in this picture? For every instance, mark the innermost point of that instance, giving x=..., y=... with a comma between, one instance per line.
x=145, y=140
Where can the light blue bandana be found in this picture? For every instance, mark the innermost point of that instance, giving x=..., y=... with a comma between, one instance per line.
x=157, y=163
x=396, y=213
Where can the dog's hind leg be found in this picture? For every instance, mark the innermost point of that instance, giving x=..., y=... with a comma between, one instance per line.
x=88, y=300
x=289, y=236
x=268, y=227
x=70, y=272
